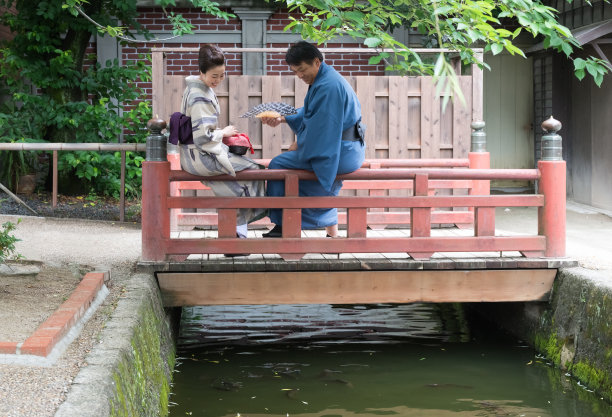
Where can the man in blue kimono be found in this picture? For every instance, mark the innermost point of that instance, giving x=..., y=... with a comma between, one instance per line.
x=330, y=137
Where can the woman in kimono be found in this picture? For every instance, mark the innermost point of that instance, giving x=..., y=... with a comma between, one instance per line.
x=208, y=155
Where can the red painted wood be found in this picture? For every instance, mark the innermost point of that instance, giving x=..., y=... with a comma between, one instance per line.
x=394, y=217
x=360, y=245
x=375, y=174
x=354, y=185
x=292, y=218
x=226, y=222
x=484, y=218
x=551, y=216
x=157, y=203
x=421, y=216
x=357, y=222
x=522, y=200
x=155, y=213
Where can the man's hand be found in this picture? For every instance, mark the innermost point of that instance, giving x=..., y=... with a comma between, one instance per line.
x=293, y=146
x=273, y=121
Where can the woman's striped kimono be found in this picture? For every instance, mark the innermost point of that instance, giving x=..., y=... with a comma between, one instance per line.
x=208, y=155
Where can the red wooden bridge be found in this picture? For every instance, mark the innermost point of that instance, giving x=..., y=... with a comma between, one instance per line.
x=365, y=265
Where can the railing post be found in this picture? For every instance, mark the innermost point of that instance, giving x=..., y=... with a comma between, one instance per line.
x=175, y=164
x=292, y=218
x=155, y=191
x=551, y=217
x=484, y=218
x=420, y=217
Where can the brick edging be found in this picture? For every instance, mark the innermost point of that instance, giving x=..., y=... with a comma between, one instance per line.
x=52, y=330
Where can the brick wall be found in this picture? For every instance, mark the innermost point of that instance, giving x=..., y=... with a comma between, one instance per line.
x=345, y=63
x=187, y=63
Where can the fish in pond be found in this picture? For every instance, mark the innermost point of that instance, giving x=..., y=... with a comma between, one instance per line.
x=226, y=385
x=449, y=386
x=325, y=373
x=291, y=373
x=291, y=393
x=340, y=381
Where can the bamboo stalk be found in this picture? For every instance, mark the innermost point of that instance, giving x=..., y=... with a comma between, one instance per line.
x=17, y=199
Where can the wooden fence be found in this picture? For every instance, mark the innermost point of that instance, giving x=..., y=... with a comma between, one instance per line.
x=404, y=115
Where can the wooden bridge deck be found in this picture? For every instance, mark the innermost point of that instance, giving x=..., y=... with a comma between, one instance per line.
x=354, y=277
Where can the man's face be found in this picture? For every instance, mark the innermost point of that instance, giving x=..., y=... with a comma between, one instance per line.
x=307, y=72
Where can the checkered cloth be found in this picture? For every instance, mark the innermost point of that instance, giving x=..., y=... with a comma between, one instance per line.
x=283, y=108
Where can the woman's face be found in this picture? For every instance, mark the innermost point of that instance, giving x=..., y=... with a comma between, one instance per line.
x=213, y=76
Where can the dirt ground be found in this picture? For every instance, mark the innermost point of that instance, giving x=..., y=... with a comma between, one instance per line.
x=64, y=250
x=73, y=207
x=35, y=297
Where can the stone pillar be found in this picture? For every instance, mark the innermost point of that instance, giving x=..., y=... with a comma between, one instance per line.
x=253, y=36
x=479, y=137
x=156, y=142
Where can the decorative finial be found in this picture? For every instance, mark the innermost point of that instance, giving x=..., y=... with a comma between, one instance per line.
x=156, y=124
x=551, y=142
x=551, y=125
x=479, y=137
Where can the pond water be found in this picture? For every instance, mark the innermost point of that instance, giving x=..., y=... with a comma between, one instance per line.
x=354, y=360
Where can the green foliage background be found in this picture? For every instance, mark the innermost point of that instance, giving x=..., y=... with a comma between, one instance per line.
x=55, y=92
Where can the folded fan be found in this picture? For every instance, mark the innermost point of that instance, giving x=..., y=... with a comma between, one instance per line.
x=280, y=109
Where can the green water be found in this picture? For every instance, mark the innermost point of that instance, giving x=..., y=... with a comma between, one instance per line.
x=400, y=360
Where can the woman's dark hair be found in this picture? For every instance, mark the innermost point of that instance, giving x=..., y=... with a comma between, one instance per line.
x=210, y=56
x=302, y=51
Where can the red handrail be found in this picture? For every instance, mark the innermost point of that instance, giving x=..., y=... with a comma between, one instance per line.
x=157, y=203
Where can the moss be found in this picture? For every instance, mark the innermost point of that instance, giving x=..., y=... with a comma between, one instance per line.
x=596, y=379
x=142, y=380
x=550, y=347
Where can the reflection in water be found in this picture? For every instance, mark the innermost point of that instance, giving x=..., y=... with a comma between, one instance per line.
x=402, y=360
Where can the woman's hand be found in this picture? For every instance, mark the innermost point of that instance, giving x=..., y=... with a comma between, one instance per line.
x=273, y=121
x=229, y=131
x=293, y=146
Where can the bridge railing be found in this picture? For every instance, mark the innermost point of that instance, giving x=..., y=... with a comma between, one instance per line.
x=158, y=177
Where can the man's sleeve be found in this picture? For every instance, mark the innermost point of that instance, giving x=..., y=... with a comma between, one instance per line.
x=322, y=133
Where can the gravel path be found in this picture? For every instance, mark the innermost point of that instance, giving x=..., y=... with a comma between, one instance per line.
x=72, y=246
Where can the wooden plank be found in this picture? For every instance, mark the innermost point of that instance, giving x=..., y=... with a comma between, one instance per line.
x=237, y=102
x=355, y=287
x=462, y=119
x=365, y=89
x=174, y=85
x=512, y=200
x=157, y=84
x=301, y=88
x=477, y=88
x=356, y=222
x=359, y=245
x=398, y=122
x=227, y=222
x=271, y=141
x=426, y=115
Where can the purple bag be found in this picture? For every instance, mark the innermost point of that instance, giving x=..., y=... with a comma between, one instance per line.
x=180, y=129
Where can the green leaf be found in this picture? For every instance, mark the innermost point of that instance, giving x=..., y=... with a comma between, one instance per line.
x=579, y=63
x=372, y=42
x=579, y=73
x=496, y=48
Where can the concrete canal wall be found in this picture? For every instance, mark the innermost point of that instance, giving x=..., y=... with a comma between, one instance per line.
x=129, y=371
x=573, y=330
